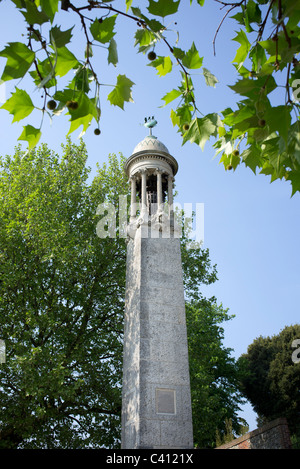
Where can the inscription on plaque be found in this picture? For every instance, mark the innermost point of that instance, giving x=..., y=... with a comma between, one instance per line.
x=165, y=401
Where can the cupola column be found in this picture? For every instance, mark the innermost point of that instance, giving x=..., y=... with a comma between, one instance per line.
x=159, y=188
x=170, y=193
x=133, y=198
x=144, y=192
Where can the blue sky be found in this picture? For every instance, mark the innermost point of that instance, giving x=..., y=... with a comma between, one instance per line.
x=251, y=227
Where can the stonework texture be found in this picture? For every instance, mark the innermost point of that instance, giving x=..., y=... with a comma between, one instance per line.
x=274, y=435
x=156, y=409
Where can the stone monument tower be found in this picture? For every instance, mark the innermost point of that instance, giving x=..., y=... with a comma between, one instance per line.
x=156, y=402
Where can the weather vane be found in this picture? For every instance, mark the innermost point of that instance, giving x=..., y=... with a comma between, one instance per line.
x=150, y=122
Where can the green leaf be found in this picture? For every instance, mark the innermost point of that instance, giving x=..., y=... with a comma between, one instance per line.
x=224, y=144
x=245, y=125
x=112, y=52
x=201, y=129
x=65, y=61
x=163, y=65
x=210, y=79
x=19, y=59
x=294, y=177
x=169, y=97
x=82, y=79
x=137, y=12
x=294, y=16
x=253, y=12
x=239, y=18
x=229, y=159
x=128, y=5
x=239, y=116
x=252, y=88
x=66, y=95
x=184, y=114
x=85, y=121
x=32, y=15
x=294, y=141
x=175, y=119
x=121, y=92
x=60, y=38
x=186, y=86
x=252, y=157
x=258, y=57
x=281, y=48
x=235, y=161
x=243, y=50
x=31, y=135
x=221, y=131
x=103, y=30
x=153, y=24
x=50, y=7
x=46, y=71
x=86, y=112
x=19, y=3
x=163, y=8
x=274, y=159
x=178, y=53
x=279, y=119
x=143, y=37
x=85, y=106
x=192, y=59
x=19, y=104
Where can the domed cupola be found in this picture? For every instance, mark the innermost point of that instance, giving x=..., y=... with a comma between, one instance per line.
x=151, y=170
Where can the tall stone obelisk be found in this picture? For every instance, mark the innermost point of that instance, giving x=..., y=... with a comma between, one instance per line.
x=156, y=402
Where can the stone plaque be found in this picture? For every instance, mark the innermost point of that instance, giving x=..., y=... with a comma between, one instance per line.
x=165, y=401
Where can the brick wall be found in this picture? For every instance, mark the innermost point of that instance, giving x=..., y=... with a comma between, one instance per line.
x=273, y=435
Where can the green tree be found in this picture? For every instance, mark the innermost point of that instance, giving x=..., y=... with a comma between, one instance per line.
x=271, y=377
x=62, y=302
x=214, y=373
x=229, y=435
x=261, y=130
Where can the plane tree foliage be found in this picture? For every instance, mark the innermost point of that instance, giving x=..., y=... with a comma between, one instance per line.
x=62, y=290
x=260, y=130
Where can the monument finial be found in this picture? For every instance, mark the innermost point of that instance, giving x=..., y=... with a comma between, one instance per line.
x=150, y=122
